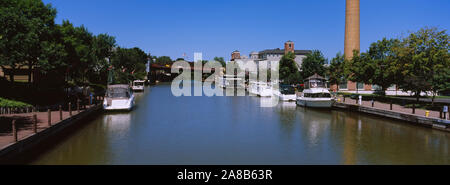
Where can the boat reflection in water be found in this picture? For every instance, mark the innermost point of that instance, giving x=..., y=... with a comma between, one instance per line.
x=118, y=123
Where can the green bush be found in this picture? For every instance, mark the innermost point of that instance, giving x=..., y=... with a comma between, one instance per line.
x=13, y=104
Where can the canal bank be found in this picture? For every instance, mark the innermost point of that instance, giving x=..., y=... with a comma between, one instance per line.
x=30, y=143
x=429, y=122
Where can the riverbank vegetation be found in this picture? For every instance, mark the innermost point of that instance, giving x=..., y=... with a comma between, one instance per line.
x=13, y=104
x=57, y=57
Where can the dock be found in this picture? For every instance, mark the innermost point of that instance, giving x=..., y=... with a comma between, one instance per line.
x=384, y=110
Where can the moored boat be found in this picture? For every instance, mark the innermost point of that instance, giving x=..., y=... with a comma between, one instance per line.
x=253, y=87
x=231, y=81
x=315, y=94
x=138, y=85
x=119, y=97
x=285, y=93
x=264, y=89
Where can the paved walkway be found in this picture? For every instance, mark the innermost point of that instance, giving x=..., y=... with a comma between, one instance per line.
x=25, y=124
x=396, y=108
x=428, y=100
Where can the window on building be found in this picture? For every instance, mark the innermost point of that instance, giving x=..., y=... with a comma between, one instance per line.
x=376, y=87
x=360, y=86
x=343, y=85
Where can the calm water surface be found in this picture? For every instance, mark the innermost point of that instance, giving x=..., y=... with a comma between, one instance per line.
x=235, y=130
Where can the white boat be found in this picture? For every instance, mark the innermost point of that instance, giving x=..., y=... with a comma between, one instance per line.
x=119, y=97
x=253, y=87
x=231, y=81
x=315, y=94
x=264, y=89
x=285, y=93
x=138, y=85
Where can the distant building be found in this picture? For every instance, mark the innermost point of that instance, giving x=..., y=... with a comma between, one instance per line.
x=20, y=74
x=235, y=55
x=272, y=55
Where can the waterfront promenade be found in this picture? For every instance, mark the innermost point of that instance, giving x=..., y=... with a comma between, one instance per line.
x=25, y=124
x=395, y=107
x=426, y=118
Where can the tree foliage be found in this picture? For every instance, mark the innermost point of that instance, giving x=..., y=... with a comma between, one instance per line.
x=288, y=70
x=335, y=71
x=129, y=64
x=424, y=61
x=313, y=63
x=382, y=63
x=25, y=28
x=164, y=60
x=417, y=63
x=221, y=60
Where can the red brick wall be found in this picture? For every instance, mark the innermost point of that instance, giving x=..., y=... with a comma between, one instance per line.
x=351, y=86
x=235, y=55
x=287, y=48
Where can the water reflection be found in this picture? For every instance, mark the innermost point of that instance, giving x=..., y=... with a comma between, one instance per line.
x=118, y=123
x=164, y=129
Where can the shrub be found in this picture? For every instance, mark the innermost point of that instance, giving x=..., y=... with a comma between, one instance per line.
x=14, y=104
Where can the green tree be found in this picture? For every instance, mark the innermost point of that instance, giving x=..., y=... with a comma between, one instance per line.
x=129, y=64
x=78, y=42
x=24, y=26
x=221, y=60
x=54, y=55
x=102, y=47
x=424, y=61
x=358, y=68
x=313, y=63
x=288, y=70
x=164, y=60
x=382, y=64
x=335, y=71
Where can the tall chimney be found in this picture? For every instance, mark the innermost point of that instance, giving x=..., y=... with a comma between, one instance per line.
x=352, y=30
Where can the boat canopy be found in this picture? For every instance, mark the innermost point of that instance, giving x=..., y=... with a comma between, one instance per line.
x=138, y=82
x=118, y=91
x=315, y=81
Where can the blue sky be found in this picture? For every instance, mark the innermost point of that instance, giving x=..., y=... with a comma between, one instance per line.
x=218, y=27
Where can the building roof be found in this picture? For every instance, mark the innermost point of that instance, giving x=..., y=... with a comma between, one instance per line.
x=123, y=86
x=280, y=51
x=315, y=76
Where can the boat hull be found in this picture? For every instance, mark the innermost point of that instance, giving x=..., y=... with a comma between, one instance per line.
x=120, y=105
x=135, y=89
x=265, y=93
x=285, y=97
x=324, y=103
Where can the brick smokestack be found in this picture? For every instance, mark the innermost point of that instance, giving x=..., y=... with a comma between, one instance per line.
x=352, y=28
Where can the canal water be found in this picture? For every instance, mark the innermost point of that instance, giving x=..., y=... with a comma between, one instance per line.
x=164, y=129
